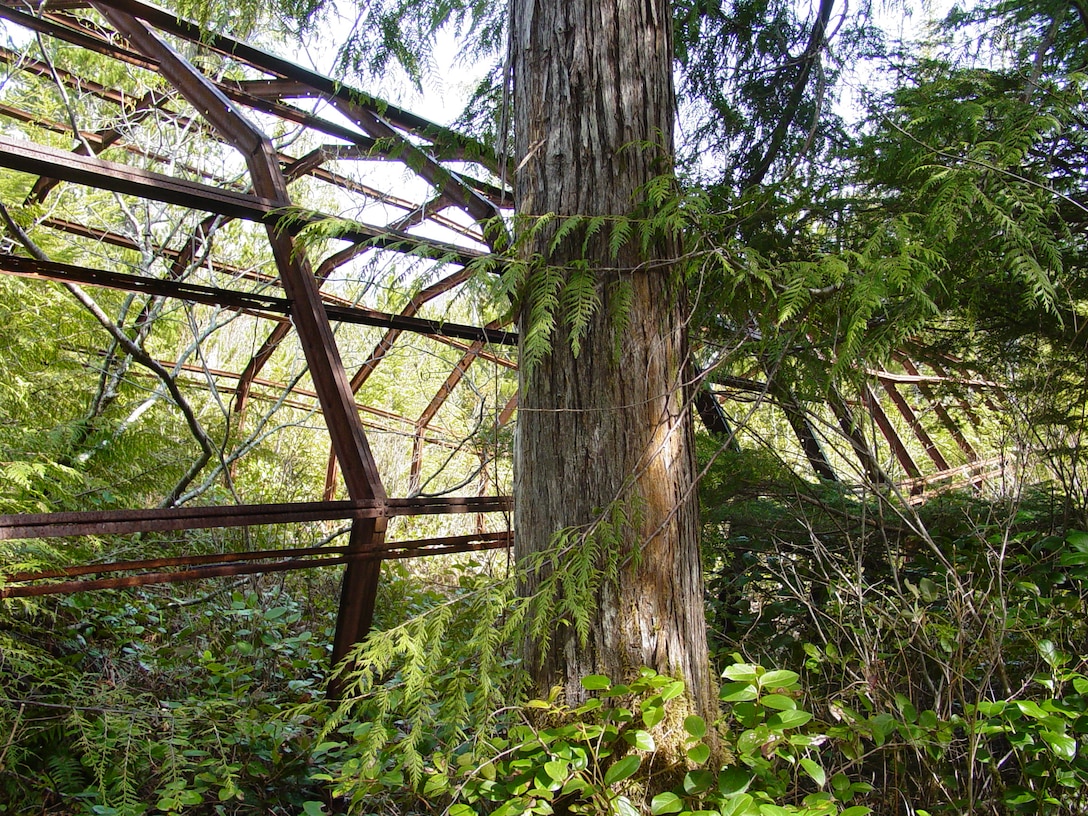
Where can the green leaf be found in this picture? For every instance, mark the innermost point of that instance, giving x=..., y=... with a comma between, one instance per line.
x=779, y=702
x=312, y=808
x=621, y=770
x=741, y=672
x=641, y=740
x=596, y=682
x=461, y=809
x=1031, y=709
x=779, y=678
x=672, y=690
x=696, y=782
x=814, y=771
x=556, y=769
x=788, y=719
x=666, y=803
x=695, y=725
x=652, y=715
x=699, y=753
x=623, y=807
x=1062, y=745
x=740, y=691
x=858, y=810
x=734, y=781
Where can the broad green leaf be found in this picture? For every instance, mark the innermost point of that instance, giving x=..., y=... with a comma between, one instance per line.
x=672, y=690
x=858, y=810
x=695, y=725
x=815, y=771
x=596, y=682
x=741, y=672
x=733, y=781
x=788, y=719
x=737, y=692
x=737, y=805
x=652, y=715
x=1031, y=709
x=622, y=769
x=642, y=740
x=556, y=769
x=779, y=678
x=312, y=808
x=779, y=702
x=699, y=753
x=461, y=809
x=1063, y=745
x=623, y=807
x=696, y=782
x=666, y=803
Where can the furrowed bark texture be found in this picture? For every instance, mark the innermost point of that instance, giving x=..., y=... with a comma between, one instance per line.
x=594, y=107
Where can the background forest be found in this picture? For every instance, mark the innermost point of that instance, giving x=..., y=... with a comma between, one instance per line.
x=868, y=223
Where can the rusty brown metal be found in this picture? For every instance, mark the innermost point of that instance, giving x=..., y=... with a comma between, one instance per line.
x=124, y=522
x=920, y=432
x=880, y=418
x=943, y=416
x=387, y=134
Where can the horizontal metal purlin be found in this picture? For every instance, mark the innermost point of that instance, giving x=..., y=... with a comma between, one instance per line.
x=28, y=157
x=122, y=522
x=498, y=539
x=220, y=570
x=215, y=296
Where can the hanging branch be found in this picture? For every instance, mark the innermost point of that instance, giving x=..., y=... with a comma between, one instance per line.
x=137, y=353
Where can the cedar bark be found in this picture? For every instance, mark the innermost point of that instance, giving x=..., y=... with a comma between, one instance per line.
x=594, y=108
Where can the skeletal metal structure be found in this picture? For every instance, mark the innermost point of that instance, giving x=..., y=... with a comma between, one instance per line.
x=280, y=125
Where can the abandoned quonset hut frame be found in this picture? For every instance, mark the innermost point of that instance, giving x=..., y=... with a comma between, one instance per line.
x=289, y=156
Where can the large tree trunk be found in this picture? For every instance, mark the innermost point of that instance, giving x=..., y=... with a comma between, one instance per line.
x=594, y=109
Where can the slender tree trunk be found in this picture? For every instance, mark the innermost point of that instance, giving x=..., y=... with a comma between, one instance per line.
x=594, y=108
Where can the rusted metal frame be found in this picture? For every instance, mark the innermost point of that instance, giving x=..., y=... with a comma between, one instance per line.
x=852, y=431
x=148, y=579
x=977, y=468
x=445, y=181
x=507, y=412
x=48, y=24
x=224, y=570
x=965, y=406
x=299, y=404
x=326, y=87
x=278, y=334
x=265, y=306
x=943, y=416
x=797, y=417
x=26, y=117
x=414, y=304
x=125, y=522
x=193, y=368
x=102, y=141
x=61, y=26
x=360, y=471
x=919, y=379
x=382, y=348
x=279, y=217
x=77, y=83
x=178, y=561
x=875, y=410
x=920, y=433
x=436, y=403
x=177, y=257
x=412, y=216
x=252, y=555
